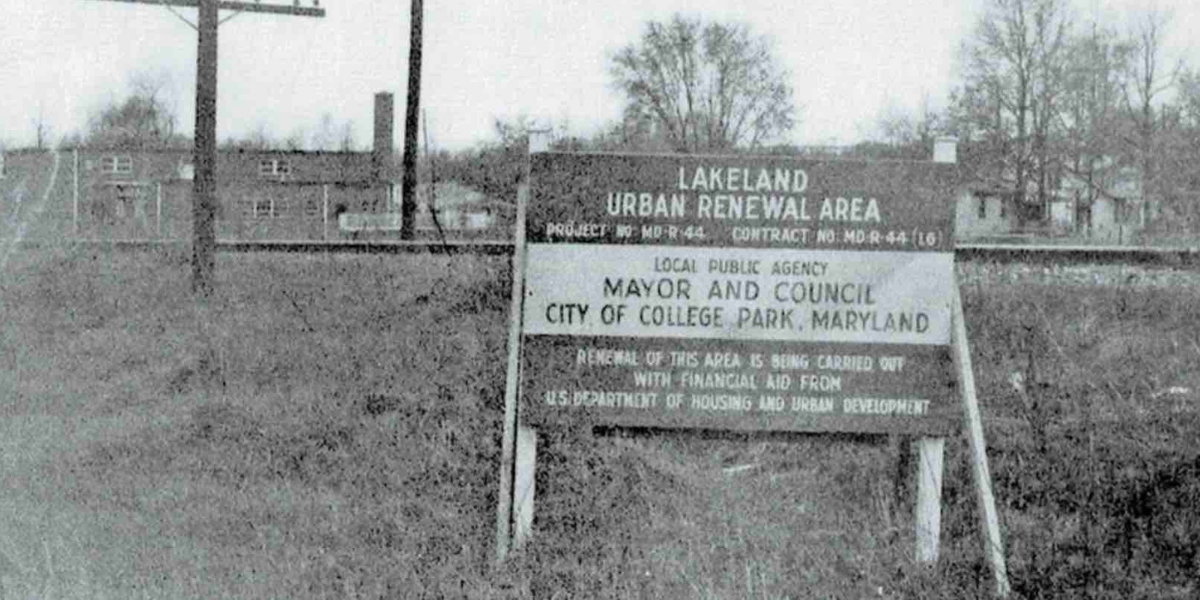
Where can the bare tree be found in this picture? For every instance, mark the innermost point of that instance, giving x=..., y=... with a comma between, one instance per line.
x=259, y=138
x=1189, y=123
x=1149, y=76
x=346, y=140
x=1051, y=35
x=1182, y=151
x=146, y=118
x=707, y=87
x=909, y=134
x=294, y=140
x=42, y=130
x=1014, y=77
x=324, y=137
x=1091, y=116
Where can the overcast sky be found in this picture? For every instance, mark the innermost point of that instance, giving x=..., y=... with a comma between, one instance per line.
x=483, y=59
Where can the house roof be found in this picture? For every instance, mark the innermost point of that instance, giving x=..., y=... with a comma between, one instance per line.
x=991, y=187
x=1116, y=182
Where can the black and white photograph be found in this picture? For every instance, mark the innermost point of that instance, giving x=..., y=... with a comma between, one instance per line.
x=558, y=299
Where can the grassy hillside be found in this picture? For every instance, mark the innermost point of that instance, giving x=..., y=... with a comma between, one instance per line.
x=328, y=426
x=29, y=180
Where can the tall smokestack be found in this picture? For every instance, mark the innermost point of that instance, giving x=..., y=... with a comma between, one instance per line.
x=381, y=150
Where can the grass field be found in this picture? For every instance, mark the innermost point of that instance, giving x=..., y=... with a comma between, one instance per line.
x=328, y=427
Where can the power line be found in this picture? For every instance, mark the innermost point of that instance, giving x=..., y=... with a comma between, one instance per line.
x=204, y=238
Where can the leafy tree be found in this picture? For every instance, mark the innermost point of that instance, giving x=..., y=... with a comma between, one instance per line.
x=704, y=87
x=145, y=119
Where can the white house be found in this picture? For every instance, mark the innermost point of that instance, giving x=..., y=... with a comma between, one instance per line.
x=1107, y=209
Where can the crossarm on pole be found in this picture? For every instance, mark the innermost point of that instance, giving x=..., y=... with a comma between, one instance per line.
x=250, y=7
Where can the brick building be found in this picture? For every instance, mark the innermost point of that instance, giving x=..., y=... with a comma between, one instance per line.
x=261, y=194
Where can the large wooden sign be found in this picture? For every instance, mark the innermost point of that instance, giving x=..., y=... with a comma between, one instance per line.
x=750, y=293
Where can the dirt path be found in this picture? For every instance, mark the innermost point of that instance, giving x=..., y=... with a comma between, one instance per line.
x=25, y=541
x=23, y=225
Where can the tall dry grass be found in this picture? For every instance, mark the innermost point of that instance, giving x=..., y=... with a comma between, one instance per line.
x=328, y=426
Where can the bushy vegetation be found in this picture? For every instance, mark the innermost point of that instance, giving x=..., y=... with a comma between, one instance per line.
x=328, y=426
x=1095, y=467
x=337, y=415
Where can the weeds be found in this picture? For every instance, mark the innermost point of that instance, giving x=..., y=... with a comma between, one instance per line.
x=1089, y=489
x=329, y=427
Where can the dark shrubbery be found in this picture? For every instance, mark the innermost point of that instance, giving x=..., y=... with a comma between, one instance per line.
x=1098, y=477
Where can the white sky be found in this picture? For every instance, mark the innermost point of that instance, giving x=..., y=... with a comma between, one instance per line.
x=483, y=59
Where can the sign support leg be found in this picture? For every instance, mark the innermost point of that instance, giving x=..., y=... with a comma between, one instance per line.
x=158, y=209
x=75, y=193
x=523, y=490
x=512, y=436
x=993, y=548
x=928, y=518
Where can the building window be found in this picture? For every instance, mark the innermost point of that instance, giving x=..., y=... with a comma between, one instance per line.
x=255, y=208
x=1003, y=207
x=264, y=207
x=982, y=207
x=274, y=167
x=312, y=207
x=121, y=164
x=1, y=165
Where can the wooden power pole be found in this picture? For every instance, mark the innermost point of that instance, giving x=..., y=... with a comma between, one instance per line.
x=204, y=154
x=204, y=186
x=408, y=182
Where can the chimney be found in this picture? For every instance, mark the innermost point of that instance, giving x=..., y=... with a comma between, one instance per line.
x=381, y=150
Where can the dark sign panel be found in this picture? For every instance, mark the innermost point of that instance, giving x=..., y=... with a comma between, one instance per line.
x=754, y=293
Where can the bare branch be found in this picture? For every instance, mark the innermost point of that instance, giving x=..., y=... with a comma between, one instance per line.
x=710, y=87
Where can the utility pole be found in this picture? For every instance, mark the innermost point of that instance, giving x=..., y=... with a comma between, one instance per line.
x=408, y=182
x=204, y=185
x=204, y=154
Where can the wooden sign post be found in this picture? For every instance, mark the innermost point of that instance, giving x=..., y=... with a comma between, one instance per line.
x=746, y=293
